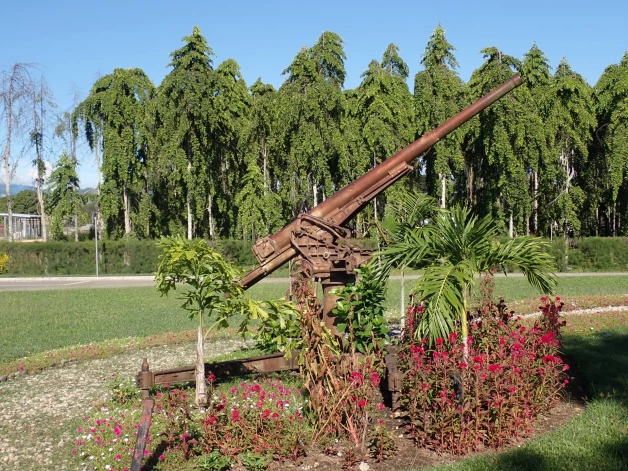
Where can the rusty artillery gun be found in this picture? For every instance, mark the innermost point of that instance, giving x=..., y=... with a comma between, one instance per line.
x=321, y=244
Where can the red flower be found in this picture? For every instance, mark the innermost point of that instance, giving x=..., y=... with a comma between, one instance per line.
x=357, y=378
x=415, y=349
x=548, y=338
x=479, y=360
x=494, y=368
x=375, y=380
x=453, y=338
x=550, y=359
x=439, y=341
x=235, y=415
x=362, y=403
x=265, y=414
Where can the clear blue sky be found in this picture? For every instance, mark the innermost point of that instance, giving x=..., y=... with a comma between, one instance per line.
x=73, y=42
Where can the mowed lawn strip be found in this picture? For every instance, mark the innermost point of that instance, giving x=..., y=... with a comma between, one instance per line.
x=39, y=321
x=596, y=439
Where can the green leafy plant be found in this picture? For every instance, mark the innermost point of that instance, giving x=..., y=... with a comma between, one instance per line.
x=360, y=309
x=214, y=461
x=280, y=328
x=210, y=291
x=254, y=461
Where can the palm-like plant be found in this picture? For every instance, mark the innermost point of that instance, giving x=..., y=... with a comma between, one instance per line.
x=408, y=211
x=452, y=250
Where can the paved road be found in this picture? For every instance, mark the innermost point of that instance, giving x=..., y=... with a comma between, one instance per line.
x=77, y=282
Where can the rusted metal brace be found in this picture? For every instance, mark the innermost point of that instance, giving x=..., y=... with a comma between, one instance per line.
x=142, y=434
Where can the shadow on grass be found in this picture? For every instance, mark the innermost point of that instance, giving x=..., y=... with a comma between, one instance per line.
x=602, y=359
x=595, y=440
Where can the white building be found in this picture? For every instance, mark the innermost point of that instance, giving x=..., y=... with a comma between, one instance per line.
x=25, y=226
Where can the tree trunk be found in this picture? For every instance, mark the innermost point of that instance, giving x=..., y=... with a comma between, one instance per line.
x=42, y=211
x=7, y=166
x=315, y=193
x=127, y=217
x=76, y=228
x=265, y=163
x=201, y=392
x=511, y=226
x=536, y=204
x=210, y=216
x=402, y=321
x=443, y=190
x=98, y=211
x=7, y=188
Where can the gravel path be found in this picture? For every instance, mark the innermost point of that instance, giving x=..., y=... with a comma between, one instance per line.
x=38, y=412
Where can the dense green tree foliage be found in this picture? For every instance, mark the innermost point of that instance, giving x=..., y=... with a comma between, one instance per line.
x=117, y=109
x=438, y=95
x=203, y=155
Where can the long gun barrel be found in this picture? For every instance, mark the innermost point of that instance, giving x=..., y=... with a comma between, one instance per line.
x=275, y=250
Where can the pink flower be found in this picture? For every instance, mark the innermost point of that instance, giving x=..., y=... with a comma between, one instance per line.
x=362, y=403
x=116, y=431
x=234, y=390
x=117, y=457
x=162, y=457
x=453, y=338
x=266, y=413
x=74, y=452
x=235, y=415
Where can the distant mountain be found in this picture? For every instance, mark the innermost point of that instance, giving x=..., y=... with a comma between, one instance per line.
x=15, y=189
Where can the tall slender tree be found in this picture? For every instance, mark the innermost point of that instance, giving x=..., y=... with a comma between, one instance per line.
x=230, y=109
x=15, y=92
x=311, y=107
x=497, y=142
x=64, y=198
x=385, y=110
x=42, y=105
x=536, y=73
x=611, y=93
x=571, y=125
x=438, y=95
x=184, y=119
x=117, y=107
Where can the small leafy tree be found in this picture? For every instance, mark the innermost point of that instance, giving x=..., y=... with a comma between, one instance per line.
x=210, y=291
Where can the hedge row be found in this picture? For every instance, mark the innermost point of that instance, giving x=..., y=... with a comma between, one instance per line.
x=140, y=257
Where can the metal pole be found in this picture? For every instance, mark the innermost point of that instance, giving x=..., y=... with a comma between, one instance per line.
x=96, y=239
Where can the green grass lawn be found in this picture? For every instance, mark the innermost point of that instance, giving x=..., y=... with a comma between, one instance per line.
x=37, y=321
x=595, y=440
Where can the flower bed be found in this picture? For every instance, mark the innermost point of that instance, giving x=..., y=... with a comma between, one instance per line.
x=253, y=423
x=511, y=374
